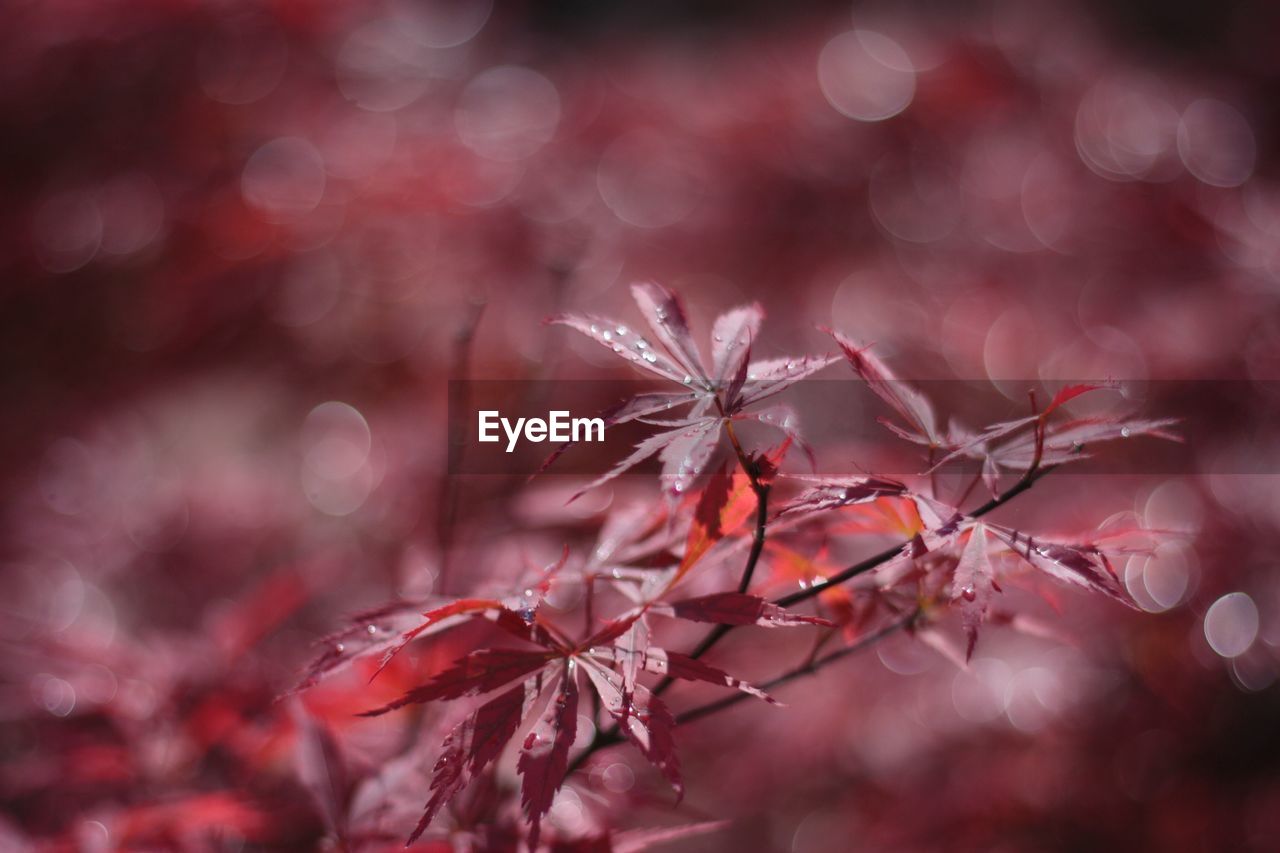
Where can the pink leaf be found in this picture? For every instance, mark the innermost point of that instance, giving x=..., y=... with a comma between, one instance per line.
x=665, y=315
x=344, y=647
x=477, y=672
x=645, y=449
x=688, y=455
x=434, y=618
x=681, y=666
x=766, y=378
x=731, y=339
x=905, y=400
x=545, y=757
x=834, y=492
x=469, y=748
x=972, y=585
x=1082, y=565
x=626, y=344
x=735, y=608
x=642, y=718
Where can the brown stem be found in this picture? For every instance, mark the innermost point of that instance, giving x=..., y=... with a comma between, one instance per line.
x=810, y=667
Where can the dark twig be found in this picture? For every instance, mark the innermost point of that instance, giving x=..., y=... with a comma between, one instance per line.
x=809, y=668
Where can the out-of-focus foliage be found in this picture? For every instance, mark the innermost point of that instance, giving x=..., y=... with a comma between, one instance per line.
x=245, y=244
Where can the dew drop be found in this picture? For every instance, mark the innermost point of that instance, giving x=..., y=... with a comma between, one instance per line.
x=607, y=335
x=622, y=330
x=339, y=648
x=651, y=358
x=1124, y=432
x=687, y=379
x=372, y=629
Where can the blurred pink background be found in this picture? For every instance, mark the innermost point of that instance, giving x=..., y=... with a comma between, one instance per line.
x=246, y=244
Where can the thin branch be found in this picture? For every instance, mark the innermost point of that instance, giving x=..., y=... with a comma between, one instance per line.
x=809, y=668
x=605, y=738
x=757, y=540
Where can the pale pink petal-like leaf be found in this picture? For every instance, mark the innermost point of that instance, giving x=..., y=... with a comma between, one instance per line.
x=545, y=758
x=664, y=313
x=644, y=720
x=972, y=585
x=688, y=455
x=908, y=402
x=470, y=747
x=357, y=641
x=645, y=449
x=622, y=341
x=731, y=339
x=829, y=493
x=783, y=418
x=766, y=378
x=1082, y=565
x=676, y=665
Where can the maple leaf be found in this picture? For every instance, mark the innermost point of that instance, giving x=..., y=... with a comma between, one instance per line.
x=973, y=584
x=389, y=623
x=716, y=392
x=1082, y=565
x=909, y=403
x=1024, y=443
x=641, y=717
x=470, y=747
x=545, y=757
x=612, y=658
x=734, y=608
x=828, y=493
